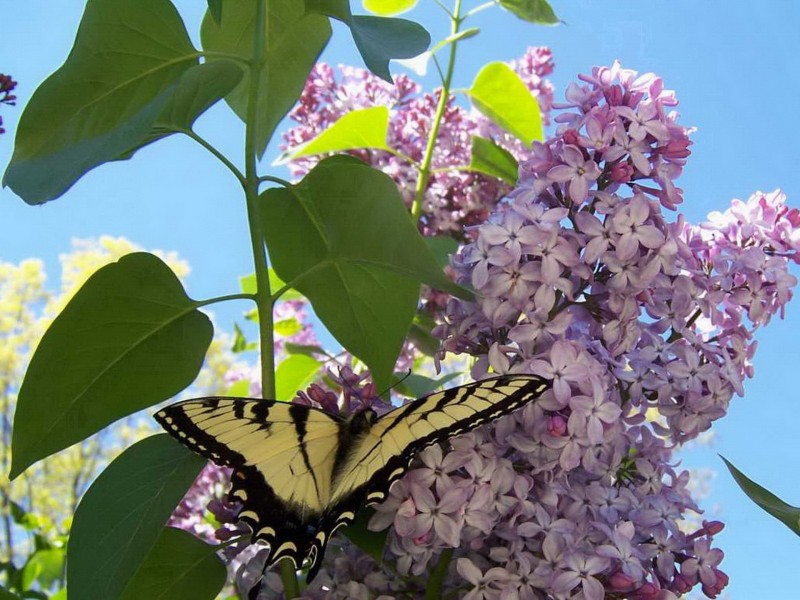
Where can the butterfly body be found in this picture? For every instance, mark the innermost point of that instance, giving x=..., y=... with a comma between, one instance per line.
x=300, y=472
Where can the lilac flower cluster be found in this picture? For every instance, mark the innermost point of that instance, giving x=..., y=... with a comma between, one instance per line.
x=7, y=85
x=453, y=199
x=645, y=327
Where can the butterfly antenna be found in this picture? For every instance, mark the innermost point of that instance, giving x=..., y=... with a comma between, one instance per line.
x=395, y=384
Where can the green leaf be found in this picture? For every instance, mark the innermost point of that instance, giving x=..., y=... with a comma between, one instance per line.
x=387, y=8
x=344, y=239
x=44, y=567
x=215, y=10
x=121, y=517
x=464, y=34
x=307, y=349
x=417, y=386
x=293, y=42
x=535, y=11
x=179, y=566
x=6, y=595
x=378, y=39
x=127, y=58
x=288, y=327
x=365, y=128
x=371, y=542
x=421, y=336
x=491, y=159
x=442, y=246
x=240, y=343
x=129, y=338
x=198, y=89
x=294, y=374
x=240, y=389
x=786, y=513
x=501, y=95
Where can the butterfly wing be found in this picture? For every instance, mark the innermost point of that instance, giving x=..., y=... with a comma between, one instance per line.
x=282, y=455
x=383, y=455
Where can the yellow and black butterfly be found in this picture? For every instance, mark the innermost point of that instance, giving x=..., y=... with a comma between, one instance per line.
x=300, y=472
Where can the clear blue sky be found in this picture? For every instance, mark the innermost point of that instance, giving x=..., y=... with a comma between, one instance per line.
x=734, y=66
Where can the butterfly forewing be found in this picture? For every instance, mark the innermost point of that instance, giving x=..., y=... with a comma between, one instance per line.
x=383, y=455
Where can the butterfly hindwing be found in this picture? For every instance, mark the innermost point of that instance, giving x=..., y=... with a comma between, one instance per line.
x=282, y=455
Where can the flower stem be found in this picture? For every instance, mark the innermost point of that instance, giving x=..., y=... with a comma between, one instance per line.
x=425, y=167
x=263, y=295
x=433, y=590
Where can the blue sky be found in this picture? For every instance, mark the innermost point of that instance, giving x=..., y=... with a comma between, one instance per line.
x=734, y=67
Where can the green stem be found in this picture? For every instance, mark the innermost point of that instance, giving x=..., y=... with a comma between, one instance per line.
x=221, y=157
x=274, y=179
x=478, y=9
x=433, y=591
x=216, y=299
x=425, y=167
x=263, y=293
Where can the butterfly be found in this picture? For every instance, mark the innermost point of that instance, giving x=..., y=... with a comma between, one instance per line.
x=300, y=472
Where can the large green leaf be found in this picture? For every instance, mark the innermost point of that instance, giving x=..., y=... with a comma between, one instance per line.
x=386, y=8
x=535, y=11
x=128, y=56
x=178, y=567
x=294, y=374
x=293, y=42
x=130, y=338
x=120, y=518
x=197, y=90
x=491, y=159
x=378, y=39
x=365, y=128
x=343, y=238
x=786, y=513
x=501, y=95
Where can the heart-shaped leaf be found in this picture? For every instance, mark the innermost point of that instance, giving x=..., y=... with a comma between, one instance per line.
x=500, y=94
x=293, y=42
x=491, y=159
x=129, y=338
x=178, y=566
x=365, y=128
x=121, y=517
x=343, y=238
x=786, y=513
x=535, y=11
x=127, y=58
x=378, y=39
x=198, y=89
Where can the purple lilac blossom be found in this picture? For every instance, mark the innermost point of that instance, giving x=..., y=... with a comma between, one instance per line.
x=630, y=315
x=645, y=326
x=454, y=199
x=7, y=85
